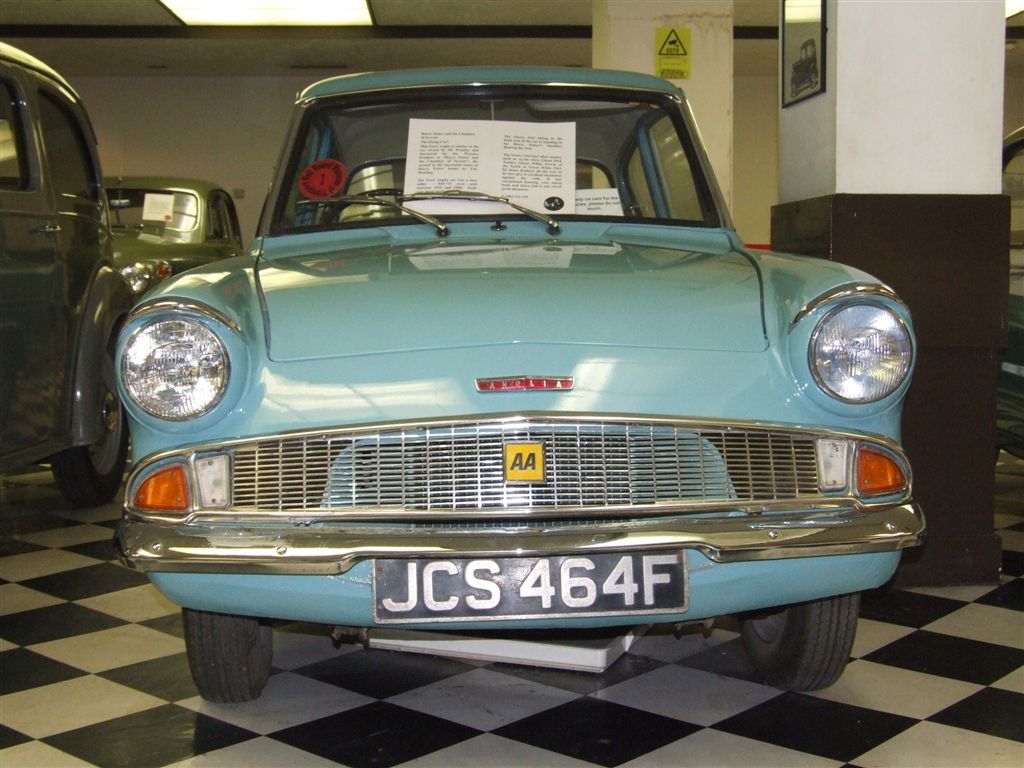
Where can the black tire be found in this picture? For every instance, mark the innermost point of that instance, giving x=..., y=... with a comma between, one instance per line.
x=90, y=475
x=229, y=655
x=803, y=647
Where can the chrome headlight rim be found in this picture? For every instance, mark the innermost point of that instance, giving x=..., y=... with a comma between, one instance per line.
x=211, y=404
x=823, y=323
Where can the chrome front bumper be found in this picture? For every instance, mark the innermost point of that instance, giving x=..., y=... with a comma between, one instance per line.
x=334, y=548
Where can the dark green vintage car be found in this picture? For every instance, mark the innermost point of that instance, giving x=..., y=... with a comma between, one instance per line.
x=61, y=299
x=163, y=226
x=1010, y=413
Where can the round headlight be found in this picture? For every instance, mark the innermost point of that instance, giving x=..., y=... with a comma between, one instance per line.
x=175, y=369
x=860, y=353
x=137, y=276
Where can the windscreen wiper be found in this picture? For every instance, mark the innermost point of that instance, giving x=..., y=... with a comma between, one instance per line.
x=462, y=194
x=440, y=226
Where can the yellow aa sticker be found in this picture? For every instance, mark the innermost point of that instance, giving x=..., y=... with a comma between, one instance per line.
x=524, y=462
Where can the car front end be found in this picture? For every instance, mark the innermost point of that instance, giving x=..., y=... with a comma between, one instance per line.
x=441, y=410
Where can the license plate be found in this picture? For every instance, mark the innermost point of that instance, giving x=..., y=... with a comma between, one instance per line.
x=418, y=591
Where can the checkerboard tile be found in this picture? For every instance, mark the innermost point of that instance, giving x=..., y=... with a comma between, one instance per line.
x=93, y=673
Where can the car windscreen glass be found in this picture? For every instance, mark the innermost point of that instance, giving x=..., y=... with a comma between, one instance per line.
x=566, y=157
x=157, y=215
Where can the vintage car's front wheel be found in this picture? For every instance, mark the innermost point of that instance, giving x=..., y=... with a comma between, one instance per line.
x=229, y=655
x=90, y=475
x=803, y=647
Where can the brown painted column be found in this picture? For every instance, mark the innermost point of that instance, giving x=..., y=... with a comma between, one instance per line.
x=889, y=162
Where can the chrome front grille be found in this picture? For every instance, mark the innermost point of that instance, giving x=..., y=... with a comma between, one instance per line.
x=457, y=468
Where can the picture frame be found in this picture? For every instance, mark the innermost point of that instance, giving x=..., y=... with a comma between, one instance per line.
x=802, y=62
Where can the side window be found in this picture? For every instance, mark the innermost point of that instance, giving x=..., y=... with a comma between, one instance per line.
x=675, y=171
x=216, y=224
x=13, y=167
x=671, y=175
x=1013, y=185
x=643, y=205
x=68, y=157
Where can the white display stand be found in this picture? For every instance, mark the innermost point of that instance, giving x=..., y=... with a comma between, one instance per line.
x=590, y=654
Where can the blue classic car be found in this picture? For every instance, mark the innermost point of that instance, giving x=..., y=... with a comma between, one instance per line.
x=497, y=359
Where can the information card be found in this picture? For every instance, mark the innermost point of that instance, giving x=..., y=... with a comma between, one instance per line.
x=532, y=164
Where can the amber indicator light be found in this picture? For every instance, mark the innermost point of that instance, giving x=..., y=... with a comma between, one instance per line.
x=167, y=489
x=878, y=473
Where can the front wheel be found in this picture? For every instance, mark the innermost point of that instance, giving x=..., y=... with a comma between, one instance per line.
x=229, y=655
x=89, y=475
x=803, y=647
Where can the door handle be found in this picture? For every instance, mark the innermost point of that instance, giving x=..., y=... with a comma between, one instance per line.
x=49, y=228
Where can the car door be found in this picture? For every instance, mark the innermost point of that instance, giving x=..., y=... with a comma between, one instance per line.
x=33, y=342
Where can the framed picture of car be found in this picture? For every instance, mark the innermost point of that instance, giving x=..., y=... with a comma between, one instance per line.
x=803, y=50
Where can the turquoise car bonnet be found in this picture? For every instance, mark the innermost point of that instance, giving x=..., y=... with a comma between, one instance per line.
x=391, y=298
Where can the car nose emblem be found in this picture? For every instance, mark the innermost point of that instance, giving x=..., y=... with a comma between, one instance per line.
x=524, y=383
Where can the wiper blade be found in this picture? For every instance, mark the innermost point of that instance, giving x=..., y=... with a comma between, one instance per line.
x=440, y=226
x=462, y=194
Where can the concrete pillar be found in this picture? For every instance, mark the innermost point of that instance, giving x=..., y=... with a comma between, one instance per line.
x=625, y=36
x=895, y=169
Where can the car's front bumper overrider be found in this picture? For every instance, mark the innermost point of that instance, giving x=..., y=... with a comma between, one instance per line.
x=333, y=548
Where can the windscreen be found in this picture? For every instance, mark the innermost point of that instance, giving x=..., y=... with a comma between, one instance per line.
x=157, y=215
x=566, y=157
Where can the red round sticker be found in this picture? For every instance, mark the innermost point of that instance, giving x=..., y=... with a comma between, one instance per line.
x=323, y=179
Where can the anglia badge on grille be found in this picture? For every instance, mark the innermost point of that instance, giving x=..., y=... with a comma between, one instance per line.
x=524, y=383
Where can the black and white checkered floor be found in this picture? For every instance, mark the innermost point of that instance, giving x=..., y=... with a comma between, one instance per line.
x=93, y=672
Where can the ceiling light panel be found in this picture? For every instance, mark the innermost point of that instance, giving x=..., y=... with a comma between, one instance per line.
x=271, y=12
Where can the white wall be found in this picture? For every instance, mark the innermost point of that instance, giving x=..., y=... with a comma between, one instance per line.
x=914, y=104
x=924, y=116
x=807, y=133
x=228, y=130
x=624, y=38
x=755, y=168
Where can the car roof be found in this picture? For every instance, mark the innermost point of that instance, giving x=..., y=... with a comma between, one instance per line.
x=454, y=76
x=17, y=56
x=161, y=182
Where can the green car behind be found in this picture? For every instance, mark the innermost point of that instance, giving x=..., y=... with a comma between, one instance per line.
x=164, y=225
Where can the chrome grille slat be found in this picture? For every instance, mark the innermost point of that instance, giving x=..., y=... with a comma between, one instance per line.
x=459, y=466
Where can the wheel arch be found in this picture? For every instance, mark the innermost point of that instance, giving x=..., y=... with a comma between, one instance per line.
x=106, y=307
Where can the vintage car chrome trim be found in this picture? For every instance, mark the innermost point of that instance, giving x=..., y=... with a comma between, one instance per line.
x=330, y=549
x=183, y=305
x=516, y=417
x=845, y=291
x=303, y=100
x=761, y=470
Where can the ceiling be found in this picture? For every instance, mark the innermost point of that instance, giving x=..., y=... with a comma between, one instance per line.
x=140, y=38
x=132, y=38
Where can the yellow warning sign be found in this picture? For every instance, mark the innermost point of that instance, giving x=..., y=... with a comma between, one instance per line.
x=672, y=57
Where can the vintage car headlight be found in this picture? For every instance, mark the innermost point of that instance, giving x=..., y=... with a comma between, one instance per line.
x=860, y=353
x=175, y=368
x=144, y=275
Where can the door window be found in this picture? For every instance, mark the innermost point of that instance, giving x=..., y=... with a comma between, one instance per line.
x=13, y=168
x=71, y=168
